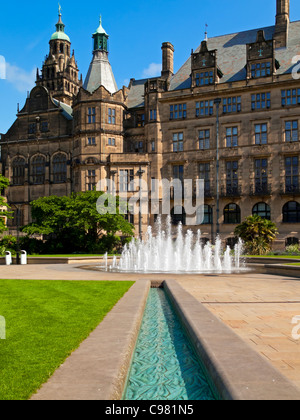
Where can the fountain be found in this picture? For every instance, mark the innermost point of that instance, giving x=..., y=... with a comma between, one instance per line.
x=160, y=253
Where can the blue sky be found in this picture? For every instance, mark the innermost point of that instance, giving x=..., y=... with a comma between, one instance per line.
x=136, y=28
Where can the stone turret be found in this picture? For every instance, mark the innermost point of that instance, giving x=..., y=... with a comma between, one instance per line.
x=100, y=72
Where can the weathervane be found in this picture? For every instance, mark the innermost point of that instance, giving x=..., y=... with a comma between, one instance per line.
x=206, y=26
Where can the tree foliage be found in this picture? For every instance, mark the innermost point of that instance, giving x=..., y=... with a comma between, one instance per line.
x=73, y=224
x=257, y=234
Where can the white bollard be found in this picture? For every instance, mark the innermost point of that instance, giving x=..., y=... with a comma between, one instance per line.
x=8, y=258
x=23, y=257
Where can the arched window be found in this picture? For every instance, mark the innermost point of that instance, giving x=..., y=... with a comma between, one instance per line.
x=18, y=167
x=232, y=214
x=38, y=165
x=231, y=242
x=263, y=210
x=206, y=217
x=59, y=163
x=291, y=241
x=204, y=241
x=291, y=212
x=178, y=215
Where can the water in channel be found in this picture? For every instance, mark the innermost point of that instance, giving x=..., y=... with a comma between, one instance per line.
x=164, y=365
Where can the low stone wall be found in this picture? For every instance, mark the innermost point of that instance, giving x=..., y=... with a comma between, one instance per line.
x=283, y=270
x=270, y=261
x=60, y=260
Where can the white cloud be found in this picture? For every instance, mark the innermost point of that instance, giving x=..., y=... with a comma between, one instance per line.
x=2, y=68
x=153, y=70
x=22, y=80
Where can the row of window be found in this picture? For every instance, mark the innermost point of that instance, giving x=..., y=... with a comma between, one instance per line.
x=43, y=126
x=257, y=70
x=111, y=116
x=37, y=169
x=234, y=104
x=291, y=134
x=292, y=184
x=232, y=213
x=291, y=163
x=205, y=108
x=111, y=141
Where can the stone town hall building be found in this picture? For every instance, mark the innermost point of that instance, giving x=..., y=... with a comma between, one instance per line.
x=72, y=133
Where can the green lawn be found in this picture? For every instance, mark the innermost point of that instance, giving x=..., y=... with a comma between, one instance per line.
x=45, y=322
x=293, y=257
x=67, y=255
x=297, y=264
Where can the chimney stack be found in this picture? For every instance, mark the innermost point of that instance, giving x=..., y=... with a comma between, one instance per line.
x=282, y=23
x=167, y=60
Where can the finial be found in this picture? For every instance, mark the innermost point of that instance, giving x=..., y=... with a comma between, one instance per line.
x=100, y=20
x=206, y=38
x=59, y=9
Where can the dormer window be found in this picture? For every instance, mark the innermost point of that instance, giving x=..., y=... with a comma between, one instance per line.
x=204, y=78
x=153, y=85
x=261, y=60
x=205, y=71
x=261, y=69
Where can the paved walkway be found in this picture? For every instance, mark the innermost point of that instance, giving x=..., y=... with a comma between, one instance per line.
x=258, y=307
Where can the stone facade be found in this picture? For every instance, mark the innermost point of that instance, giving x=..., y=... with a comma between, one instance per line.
x=66, y=141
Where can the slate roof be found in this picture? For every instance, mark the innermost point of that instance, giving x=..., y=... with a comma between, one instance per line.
x=231, y=55
x=67, y=109
x=100, y=74
x=136, y=94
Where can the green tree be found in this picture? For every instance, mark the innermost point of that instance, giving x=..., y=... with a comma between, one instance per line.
x=257, y=234
x=73, y=223
x=4, y=183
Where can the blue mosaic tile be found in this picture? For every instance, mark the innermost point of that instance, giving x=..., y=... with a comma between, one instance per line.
x=164, y=366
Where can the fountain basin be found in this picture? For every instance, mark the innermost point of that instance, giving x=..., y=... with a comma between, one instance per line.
x=163, y=251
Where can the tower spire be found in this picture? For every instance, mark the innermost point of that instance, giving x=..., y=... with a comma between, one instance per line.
x=60, y=27
x=100, y=72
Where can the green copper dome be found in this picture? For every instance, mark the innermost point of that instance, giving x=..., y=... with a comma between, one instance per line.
x=60, y=30
x=60, y=35
x=101, y=30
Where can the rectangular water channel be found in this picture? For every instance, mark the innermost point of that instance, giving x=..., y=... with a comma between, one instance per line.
x=164, y=365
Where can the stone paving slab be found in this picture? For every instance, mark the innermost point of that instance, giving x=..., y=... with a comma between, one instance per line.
x=260, y=309
x=237, y=370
